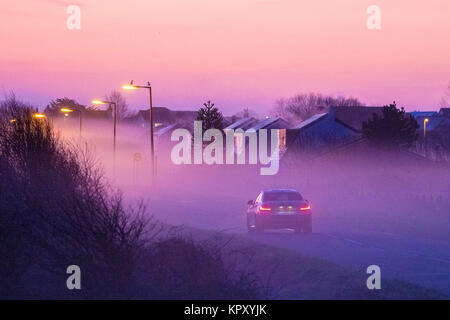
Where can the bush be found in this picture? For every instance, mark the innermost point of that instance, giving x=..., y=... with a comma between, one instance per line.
x=183, y=269
x=57, y=209
x=395, y=130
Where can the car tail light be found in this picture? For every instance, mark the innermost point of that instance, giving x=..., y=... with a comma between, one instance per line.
x=305, y=208
x=264, y=209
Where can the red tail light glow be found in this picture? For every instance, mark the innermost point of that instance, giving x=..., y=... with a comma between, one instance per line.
x=264, y=209
x=305, y=208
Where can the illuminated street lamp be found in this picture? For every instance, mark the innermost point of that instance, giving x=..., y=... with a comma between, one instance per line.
x=38, y=115
x=66, y=112
x=102, y=102
x=425, y=127
x=131, y=86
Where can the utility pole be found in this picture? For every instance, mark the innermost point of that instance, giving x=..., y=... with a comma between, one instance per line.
x=114, y=105
x=152, y=146
x=131, y=86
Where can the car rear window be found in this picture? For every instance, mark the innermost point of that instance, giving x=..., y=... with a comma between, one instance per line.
x=282, y=196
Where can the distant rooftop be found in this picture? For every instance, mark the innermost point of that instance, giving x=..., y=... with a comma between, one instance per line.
x=355, y=116
x=164, y=130
x=240, y=123
x=162, y=114
x=269, y=122
x=311, y=120
x=416, y=114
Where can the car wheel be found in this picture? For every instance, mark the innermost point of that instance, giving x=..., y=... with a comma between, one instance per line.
x=250, y=229
x=258, y=227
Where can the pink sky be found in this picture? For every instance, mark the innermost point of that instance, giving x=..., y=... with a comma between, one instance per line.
x=238, y=53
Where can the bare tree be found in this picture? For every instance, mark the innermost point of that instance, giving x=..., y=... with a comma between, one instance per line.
x=57, y=209
x=53, y=108
x=121, y=102
x=305, y=105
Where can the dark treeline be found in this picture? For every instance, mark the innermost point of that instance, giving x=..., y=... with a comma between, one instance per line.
x=57, y=210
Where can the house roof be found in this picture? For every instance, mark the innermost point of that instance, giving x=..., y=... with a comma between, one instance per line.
x=433, y=122
x=435, y=119
x=162, y=114
x=416, y=114
x=241, y=123
x=310, y=121
x=355, y=116
x=225, y=122
x=271, y=122
x=165, y=130
x=97, y=114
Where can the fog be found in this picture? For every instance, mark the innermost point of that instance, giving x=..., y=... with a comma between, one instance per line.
x=374, y=209
x=378, y=189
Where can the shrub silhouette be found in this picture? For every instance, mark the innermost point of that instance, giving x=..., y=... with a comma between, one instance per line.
x=210, y=116
x=57, y=209
x=184, y=269
x=395, y=130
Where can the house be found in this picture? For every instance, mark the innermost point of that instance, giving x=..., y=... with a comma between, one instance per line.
x=444, y=112
x=362, y=150
x=436, y=146
x=95, y=114
x=324, y=131
x=91, y=113
x=162, y=132
x=435, y=121
x=244, y=124
x=278, y=124
x=242, y=129
x=417, y=114
x=354, y=117
x=163, y=117
x=272, y=123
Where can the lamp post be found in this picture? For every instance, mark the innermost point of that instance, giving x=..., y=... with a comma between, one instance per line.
x=131, y=86
x=101, y=102
x=38, y=115
x=425, y=121
x=66, y=111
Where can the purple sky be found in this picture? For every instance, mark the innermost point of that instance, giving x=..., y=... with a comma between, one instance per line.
x=238, y=53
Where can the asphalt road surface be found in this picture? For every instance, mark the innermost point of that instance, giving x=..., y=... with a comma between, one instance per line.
x=423, y=260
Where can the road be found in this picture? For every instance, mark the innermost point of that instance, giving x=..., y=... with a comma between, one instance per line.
x=421, y=260
x=416, y=261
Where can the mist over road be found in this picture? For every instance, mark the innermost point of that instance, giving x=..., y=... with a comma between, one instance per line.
x=365, y=211
x=419, y=259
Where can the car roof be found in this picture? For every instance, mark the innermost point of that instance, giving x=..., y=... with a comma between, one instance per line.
x=281, y=190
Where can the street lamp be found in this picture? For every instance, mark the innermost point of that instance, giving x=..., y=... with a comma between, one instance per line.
x=38, y=115
x=131, y=86
x=101, y=102
x=66, y=112
x=425, y=127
